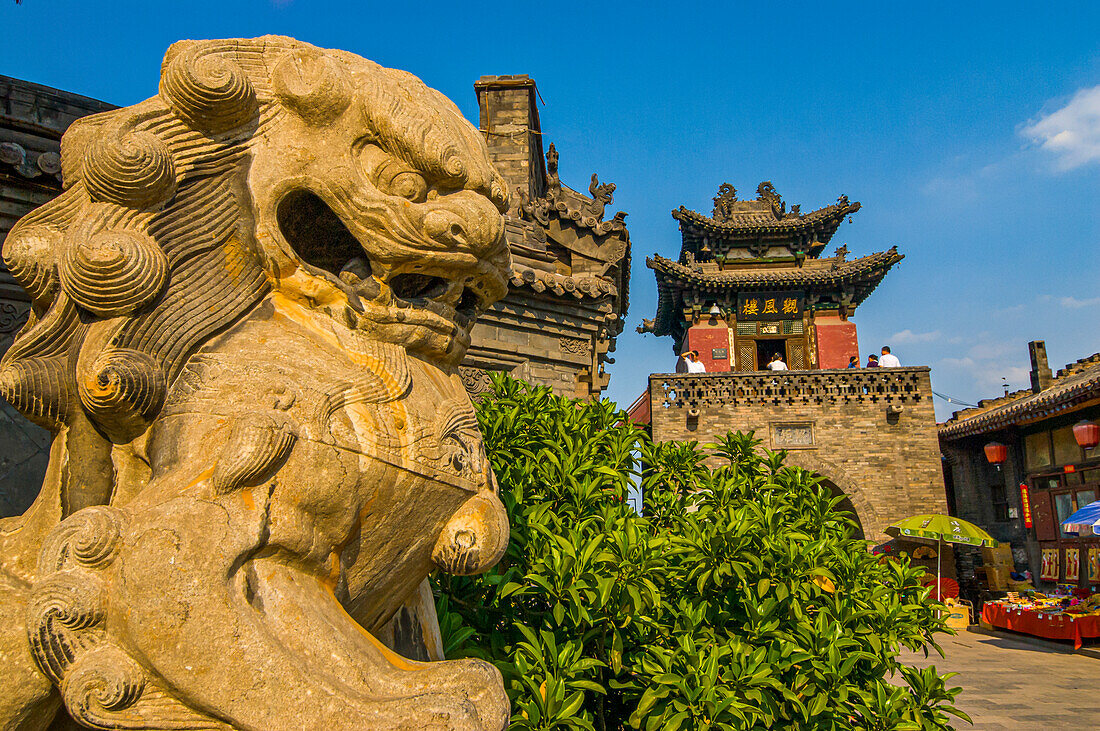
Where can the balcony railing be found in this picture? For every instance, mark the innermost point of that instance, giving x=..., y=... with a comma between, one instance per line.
x=792, y=388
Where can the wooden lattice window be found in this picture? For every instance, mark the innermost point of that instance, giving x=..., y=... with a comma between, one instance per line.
x=746, y=355
x=796, y=355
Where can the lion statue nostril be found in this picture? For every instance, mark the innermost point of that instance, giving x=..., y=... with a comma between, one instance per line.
x=444, y=227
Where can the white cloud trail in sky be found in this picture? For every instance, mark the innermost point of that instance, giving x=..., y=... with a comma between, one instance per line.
x=1072, y=133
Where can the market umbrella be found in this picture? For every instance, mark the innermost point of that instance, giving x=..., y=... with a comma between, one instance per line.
x=1086, y=517
x=941, y=529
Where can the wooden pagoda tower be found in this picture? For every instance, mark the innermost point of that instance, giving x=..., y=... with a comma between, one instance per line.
x=750, y=282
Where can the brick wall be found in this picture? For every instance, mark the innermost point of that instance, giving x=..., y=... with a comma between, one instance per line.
x=872, y=434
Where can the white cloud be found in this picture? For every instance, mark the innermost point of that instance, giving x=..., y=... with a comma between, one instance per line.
x=908, y=336
x=993, y=350
x=1072, y=133
x=988, y=374
x=960, y=363
x=1073, y=303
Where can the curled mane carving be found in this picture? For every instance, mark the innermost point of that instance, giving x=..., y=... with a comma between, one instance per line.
x=151, y=250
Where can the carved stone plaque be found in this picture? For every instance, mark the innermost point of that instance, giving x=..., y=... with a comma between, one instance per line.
x=794, y=435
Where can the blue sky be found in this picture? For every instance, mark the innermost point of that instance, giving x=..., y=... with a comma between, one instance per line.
x=970, y=132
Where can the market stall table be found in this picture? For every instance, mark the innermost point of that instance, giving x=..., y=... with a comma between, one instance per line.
x=1042, y=624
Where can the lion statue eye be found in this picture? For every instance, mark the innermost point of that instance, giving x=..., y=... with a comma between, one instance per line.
x=409, y=185
x=391, y=175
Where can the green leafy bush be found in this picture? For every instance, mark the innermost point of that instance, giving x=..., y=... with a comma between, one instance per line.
x=739, y=600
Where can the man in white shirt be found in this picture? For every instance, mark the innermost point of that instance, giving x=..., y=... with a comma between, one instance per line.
x=777, y=363
x=888, y=360
x=694, y=365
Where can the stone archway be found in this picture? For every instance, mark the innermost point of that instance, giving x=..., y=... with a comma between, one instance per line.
x=839, y=483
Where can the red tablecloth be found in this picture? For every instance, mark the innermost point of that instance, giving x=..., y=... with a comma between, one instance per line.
x=1040, y=624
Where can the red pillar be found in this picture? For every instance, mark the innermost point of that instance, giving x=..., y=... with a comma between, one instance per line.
x=836, y=341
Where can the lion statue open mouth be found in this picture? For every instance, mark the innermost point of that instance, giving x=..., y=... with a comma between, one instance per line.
x=249, y=306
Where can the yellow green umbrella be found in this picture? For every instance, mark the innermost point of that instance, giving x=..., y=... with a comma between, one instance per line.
x=941, y=529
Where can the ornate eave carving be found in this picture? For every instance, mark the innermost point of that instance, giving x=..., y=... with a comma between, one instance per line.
x=566, y=204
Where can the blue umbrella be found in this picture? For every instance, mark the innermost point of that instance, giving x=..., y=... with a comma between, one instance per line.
x=1088, y=516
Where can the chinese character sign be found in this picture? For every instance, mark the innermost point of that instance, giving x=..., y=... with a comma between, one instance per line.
x=1026, y=503
x=770, y=306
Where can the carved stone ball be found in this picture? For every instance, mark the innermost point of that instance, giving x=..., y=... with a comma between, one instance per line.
x=29, y=254
x=207, y=91
x=132, y=169
x=122, y=390
x=113, y=272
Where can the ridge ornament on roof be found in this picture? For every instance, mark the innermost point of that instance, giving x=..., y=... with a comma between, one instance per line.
x=757, y=225
x=564, y=203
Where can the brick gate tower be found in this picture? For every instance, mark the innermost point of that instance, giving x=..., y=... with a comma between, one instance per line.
x=750, y=282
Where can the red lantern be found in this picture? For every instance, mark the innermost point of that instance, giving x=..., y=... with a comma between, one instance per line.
x=1087, y=434
x=996, y=453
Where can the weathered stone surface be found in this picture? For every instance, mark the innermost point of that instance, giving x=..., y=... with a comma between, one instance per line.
x=250, y=304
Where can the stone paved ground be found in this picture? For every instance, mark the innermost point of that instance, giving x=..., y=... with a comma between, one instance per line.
x=1010, y=683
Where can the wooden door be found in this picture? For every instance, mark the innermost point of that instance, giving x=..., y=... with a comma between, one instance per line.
x=1043, y=515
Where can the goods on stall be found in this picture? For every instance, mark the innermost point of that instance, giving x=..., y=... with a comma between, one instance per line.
x=1059, y=615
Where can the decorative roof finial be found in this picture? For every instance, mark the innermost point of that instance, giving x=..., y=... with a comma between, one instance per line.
x=723, y=202
x=766, y=192
x=553, y=183
x=601, y=197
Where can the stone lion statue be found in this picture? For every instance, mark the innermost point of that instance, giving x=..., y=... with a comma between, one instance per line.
x=249, y=306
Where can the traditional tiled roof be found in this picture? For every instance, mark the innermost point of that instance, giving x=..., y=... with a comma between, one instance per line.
x=578, y=286
x=750, y=224
x=846, y=283
x=1076, y=384
x=819, y=273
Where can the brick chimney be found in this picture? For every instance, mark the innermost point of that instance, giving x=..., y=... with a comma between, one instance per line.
x=510, y=124
x=1040, y=370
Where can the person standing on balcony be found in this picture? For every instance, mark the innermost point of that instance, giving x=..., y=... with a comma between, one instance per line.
x=872, y=361
x=691, y=360
x=777, y=363
x=888, y=359
x=853, y=362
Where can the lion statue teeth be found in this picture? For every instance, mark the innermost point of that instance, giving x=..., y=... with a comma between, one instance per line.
x=249, y=305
